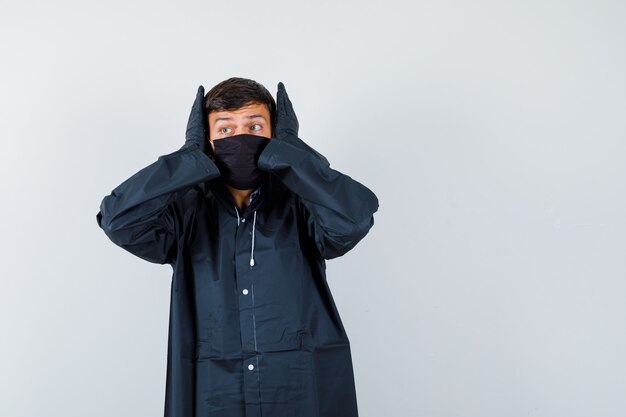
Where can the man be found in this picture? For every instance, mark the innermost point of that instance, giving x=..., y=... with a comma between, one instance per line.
x=247, y=213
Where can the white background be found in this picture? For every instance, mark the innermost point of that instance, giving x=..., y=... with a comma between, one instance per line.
x=493, y=133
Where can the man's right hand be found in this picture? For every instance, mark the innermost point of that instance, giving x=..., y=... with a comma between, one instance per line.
x=196, y=125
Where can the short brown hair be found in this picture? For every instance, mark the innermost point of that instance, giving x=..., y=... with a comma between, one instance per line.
x=236, y=92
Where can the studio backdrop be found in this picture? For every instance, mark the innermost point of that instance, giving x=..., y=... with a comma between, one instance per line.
x=493, y=280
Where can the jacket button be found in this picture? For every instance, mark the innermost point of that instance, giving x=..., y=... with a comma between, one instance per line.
x=245, y=291
x=250, y=367
x=243, y=220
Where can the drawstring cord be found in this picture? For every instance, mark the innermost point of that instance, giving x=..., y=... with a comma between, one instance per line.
x=252, y=251
x=253, y=229
x=237, y=213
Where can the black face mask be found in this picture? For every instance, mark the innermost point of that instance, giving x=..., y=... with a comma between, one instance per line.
x=236, y=157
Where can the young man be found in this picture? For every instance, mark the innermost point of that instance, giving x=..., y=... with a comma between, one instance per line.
x=247, y=213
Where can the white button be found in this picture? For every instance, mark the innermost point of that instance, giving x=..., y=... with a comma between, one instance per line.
x=243, y=220
x=245, y=291
x=250, y=367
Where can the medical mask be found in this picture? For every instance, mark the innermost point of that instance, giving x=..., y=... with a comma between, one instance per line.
x=236, y=157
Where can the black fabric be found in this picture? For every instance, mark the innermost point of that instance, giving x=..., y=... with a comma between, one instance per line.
x=197, y=124
x=236, y=157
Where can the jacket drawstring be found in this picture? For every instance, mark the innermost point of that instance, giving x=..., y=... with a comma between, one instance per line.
x=252, y=251
x=237, y=213
x=253, y=229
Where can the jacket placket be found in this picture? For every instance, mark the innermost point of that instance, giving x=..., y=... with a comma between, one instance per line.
x=244, y=276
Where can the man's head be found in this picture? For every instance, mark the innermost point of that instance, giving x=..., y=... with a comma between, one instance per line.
x=239, y=105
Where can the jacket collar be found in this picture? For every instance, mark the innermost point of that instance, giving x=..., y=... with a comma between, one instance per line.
x=262, y=197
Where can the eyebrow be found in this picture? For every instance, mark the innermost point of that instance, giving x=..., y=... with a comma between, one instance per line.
x=252, y=116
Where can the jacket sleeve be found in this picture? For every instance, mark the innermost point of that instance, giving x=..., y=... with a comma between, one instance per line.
x=140, y=215
x=339, y=210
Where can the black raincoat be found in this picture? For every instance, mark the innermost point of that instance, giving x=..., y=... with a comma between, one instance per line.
x=253, y=329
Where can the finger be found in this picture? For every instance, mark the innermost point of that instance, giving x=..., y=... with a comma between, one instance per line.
x=196, y=109
x=289, y=107
x=195, y=124
x=280, y=99
x=286, y=114
x=280, y=113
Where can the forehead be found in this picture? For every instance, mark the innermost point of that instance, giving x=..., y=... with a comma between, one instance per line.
x=242, y=113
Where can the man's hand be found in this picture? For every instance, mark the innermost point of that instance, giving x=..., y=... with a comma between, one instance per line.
x=287, y=123
x=286, y=120
x=196, y=125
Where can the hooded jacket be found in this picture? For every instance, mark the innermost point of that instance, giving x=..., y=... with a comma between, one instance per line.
x=253, y=328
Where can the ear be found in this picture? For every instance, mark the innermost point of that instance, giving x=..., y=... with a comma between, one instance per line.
x=210, y=148
x=207, y=136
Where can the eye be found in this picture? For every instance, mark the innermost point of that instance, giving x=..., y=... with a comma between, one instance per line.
x=225, y=130
x=256, y=127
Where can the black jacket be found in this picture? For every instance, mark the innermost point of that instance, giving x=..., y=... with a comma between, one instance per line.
x=254, y=330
